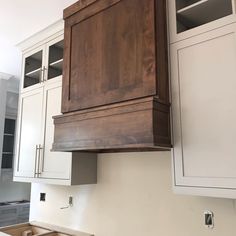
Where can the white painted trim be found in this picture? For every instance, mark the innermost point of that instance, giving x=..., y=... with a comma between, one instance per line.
x=205, y=192
x=43, y=181
x=42, y=36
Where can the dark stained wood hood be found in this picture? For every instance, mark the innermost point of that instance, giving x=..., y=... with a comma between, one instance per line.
x=115, y=78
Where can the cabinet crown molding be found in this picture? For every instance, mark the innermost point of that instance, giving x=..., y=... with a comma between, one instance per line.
x=42, y=36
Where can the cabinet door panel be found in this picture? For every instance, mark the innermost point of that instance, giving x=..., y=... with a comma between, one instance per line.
x=29, y=129
x=108, y=61
x=204, y=114
x=56, y=165
x=54, y=58
x=33, y=63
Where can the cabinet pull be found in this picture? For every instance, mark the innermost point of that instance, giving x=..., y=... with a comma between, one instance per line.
x=42, y=75
x=40, y=148
x=44, y=70
x=35, y=162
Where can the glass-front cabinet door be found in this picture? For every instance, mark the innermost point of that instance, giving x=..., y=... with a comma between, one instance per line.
x=55, y=58
x=43, y=63
x=33, y=67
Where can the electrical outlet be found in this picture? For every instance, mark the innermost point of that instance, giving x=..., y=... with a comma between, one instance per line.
x=209, y=219
x=70, y=201
x=42, y=197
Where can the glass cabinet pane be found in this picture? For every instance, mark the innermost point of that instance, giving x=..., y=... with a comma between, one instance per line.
x=9, y=127
x=194, y=13
x=55, y=60
x=7, y=160
x=33, y=69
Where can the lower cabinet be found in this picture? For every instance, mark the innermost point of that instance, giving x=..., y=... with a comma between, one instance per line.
x=203, y=81
x=34, y=160
x=14, y=214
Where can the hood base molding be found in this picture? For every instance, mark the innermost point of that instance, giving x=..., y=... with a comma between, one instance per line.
x=138, y=125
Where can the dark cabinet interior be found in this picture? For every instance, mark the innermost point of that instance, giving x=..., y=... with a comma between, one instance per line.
x=55, y=60
x=8, y=144
x=115, y=77
x=33, y=69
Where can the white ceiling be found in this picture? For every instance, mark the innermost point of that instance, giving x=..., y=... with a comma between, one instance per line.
x=20, y=19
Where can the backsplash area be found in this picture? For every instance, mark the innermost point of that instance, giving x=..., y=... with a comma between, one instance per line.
x=133, y=197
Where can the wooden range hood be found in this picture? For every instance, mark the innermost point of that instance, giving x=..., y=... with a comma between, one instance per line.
x=115, y=79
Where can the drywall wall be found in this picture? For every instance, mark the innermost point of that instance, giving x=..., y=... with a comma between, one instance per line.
x=11, y=191
x=133, y=197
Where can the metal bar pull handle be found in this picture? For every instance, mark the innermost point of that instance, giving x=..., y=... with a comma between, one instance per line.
x=41, y=79
x=40, y=148
x=35, y=162
x=44, y=71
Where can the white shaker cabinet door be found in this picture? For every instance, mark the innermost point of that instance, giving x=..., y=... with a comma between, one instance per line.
x=203, y=83
x=55, y=165
x=29, y=133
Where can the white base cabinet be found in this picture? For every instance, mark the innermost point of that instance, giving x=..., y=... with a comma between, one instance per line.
x=14, y=214
x=203, y=85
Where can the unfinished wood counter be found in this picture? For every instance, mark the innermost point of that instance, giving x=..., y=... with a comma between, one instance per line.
x=39, y=229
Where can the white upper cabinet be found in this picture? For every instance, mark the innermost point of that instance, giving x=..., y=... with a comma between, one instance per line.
x=40, y=100
x=53, y=164
x=203, y=85
x=188, y=18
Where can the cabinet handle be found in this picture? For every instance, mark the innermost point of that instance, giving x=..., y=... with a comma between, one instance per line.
x=35, y=162
x=42, y=75
x=44, y=70
x=40, y=148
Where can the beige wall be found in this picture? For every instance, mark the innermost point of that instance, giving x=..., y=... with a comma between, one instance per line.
x=133, y=197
